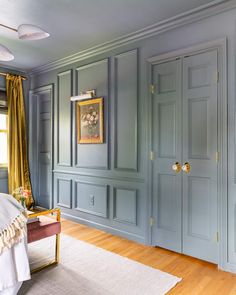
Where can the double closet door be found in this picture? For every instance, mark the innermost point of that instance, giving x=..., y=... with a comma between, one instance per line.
x=185, y=146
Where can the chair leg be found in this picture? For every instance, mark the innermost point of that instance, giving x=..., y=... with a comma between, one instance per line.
x=57, y=249
x=56, y=259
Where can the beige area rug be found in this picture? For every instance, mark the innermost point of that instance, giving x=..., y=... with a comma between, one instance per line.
x=86, y=269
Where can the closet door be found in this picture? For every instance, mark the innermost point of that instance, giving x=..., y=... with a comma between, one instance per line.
x=167, y=142
x=199, y=150
x=41, y=101
x=44, y=149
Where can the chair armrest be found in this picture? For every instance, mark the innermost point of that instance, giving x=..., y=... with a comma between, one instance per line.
x=56, y=210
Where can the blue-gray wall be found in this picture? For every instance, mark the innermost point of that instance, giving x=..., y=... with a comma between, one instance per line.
x=116, y=172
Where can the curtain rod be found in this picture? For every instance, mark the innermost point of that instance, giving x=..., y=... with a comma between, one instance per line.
x=23, y=78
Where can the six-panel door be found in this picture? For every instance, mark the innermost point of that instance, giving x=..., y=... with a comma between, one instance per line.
x=167, y=145
x=185, y=131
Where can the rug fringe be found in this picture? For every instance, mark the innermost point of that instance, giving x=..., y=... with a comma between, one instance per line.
x=13, y=233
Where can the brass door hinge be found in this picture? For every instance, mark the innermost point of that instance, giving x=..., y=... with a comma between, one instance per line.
x=217, y=157
x=151, y=221
x=217, y=77
x=217, y=237
x=152, y=156
x=152, y=88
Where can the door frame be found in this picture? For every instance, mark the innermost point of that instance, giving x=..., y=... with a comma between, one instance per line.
x=33, y=151
x=222, y=116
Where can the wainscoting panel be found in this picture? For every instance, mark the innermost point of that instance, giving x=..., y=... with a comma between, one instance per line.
x=91, y=198
x=108, y=204
x=93, y=76
x=64, y=119
x=126, y=98
x=125, y=206
x=64, y=192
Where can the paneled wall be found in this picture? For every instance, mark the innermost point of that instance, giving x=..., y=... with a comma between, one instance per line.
x=101, y=184
x=107, y=185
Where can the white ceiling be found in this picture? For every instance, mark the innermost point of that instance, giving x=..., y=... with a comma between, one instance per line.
x=76, y=25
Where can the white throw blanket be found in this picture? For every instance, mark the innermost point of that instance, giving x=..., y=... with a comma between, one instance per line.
x=13, y=220
x=14, y=264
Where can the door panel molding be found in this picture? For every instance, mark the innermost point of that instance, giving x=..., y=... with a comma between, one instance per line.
x=166, y=104
x=221, y=46
x=35, y=167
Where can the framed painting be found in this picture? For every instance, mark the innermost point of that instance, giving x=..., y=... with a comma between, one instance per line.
x=90, y=121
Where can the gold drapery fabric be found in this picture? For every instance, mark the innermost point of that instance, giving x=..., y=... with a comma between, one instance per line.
x=18, y=167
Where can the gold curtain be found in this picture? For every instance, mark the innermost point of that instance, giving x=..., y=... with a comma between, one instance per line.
x=18, y=168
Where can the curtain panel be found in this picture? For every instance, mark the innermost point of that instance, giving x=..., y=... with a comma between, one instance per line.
x=18, y=167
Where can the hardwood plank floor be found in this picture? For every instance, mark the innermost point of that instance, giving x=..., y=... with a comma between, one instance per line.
x=198, y=277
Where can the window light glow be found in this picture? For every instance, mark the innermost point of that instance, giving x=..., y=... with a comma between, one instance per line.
x=3, y=140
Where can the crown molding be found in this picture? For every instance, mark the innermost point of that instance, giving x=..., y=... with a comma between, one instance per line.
x=191, y=16
x=15, y=70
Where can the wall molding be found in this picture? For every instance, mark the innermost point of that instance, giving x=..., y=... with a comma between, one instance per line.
x=57, y=192
x=115, y=198
x=134, y=52
x=109, y=177
x=76, y=163
x=57, y=124
x=89, y=183
x=213, y=8
x=112, y=230
x=6, y=68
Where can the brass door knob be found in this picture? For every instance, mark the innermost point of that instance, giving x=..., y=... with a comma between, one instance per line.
x=176, y=167
x=186, y=167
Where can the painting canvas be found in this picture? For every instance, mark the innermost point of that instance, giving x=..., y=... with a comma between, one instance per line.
x=90, y=121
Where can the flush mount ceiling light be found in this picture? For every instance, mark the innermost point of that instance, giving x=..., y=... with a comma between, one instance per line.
x=5, y=54
x=25, y=32
x=30, y=32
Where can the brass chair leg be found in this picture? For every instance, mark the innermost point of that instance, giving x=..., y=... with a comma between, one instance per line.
x=57, y=244
x=56, y=259
x=57, y=250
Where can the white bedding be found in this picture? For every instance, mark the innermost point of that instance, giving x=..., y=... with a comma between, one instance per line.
x=14, y=264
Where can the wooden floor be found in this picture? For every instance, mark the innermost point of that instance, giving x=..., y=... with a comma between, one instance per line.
x=198, y=277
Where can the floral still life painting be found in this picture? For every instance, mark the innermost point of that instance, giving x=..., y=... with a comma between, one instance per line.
x=90, y=121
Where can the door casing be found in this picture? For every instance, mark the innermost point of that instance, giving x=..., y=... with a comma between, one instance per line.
x=221, y=46
x=33, y=152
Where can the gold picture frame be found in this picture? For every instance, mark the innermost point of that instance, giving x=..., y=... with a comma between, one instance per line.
x=90, y=121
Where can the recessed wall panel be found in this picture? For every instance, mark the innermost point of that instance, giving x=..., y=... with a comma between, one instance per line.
x=64, y=192
x=166, y=83
x=198, y=128
x=126, y=99
x=94, y=76
x=64, y=119
x=199, y=210
x=167, y=202
x=125, y=205
x=199, y=76
x=167, y=130
x=91, y=198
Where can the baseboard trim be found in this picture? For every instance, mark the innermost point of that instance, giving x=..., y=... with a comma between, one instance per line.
x=114, y=231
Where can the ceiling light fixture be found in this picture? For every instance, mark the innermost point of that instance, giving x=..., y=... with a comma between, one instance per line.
x=5, y=54
x=25, y=32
